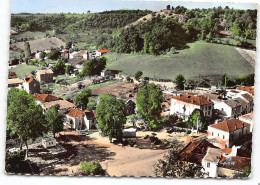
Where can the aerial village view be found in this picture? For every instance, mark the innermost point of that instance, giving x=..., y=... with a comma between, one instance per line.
x=132, y=92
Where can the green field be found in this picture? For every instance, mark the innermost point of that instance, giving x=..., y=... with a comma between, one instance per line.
x=24, y=70
x=29, y=35
x=201, y=59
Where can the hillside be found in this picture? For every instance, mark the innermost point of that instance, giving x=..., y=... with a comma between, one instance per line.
x=201, y=59
x=163, y=14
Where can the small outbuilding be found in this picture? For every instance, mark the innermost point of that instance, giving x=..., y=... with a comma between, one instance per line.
x=130, y=132
x=48, y=142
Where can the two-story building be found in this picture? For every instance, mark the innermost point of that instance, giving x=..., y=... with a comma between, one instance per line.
x=226, y=133
x=44, y=76
x=229, y=108
x=184, y=104
x=31, y=85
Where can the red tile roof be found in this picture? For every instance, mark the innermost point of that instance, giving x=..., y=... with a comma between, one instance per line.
x=64, y=104
x=236, y=162
x=246, y=88
x=195, y=151
x=46, y=71
x=46, y=97
x=249, y=116
x=76, y=113
x=230, y=125
x=197, y=100
x=12, y=74
x=103, y=50
x=29, y=79
x=15, y=81
x=227, y=150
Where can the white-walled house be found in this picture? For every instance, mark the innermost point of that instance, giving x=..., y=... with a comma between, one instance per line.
x=48, y=142
x=230, y=108
x=210, y=162
x=226, y=133
x=248, y=118
x=219, y=162
x=31, y=85
x=101, y=52
x=80, y=120
x=185, y=104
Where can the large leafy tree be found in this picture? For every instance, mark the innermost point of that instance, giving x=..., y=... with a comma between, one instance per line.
x=93, y=67
x=82, y=99
x=180, y=80
x=173, y=166
x=149, y=100
x=197, y=120
x=59, y=67
x=111, y=115
x=24, y=118
x=69, y=69
x=54, y=120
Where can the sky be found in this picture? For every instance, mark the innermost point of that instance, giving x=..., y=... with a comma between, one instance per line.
x=82, y=6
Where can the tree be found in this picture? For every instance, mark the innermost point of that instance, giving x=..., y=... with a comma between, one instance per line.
x=111, y=116
x=68, y=45
x=54, y=120
x=93, y=67
x=82, y=98
x=197, y=120
x=92, y=168
x=24, y=117
x=149, y=100
x=59, y=67
x=54, y=54
x=180, y=80
x=247, y=171
x=172, y=166
x=27, y=50
x=16, y=163
x=138, y=74
x=69, y=69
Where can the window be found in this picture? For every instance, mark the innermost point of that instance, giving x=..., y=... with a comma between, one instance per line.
x=206, y=108
x=223, y=136
x=208, y=165
x=209, y=107
x=208, y=113
x=212, y=133
x=218, y=134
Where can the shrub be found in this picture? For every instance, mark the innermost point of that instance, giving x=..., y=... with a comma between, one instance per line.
x=92, y=168
x=15, y=163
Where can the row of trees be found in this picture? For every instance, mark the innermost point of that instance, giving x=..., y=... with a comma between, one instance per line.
x=58, y=22
x=25, y=119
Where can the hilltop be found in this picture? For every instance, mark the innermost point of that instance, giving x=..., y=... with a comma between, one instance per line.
x=163, y=14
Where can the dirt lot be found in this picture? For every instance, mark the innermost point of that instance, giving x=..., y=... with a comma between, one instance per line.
x=119, y=89
x=40, y=44
x=117, y=160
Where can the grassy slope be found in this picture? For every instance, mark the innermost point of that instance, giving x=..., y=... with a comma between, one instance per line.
x=29, y=35
x=24, y=70
x=200, y=59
